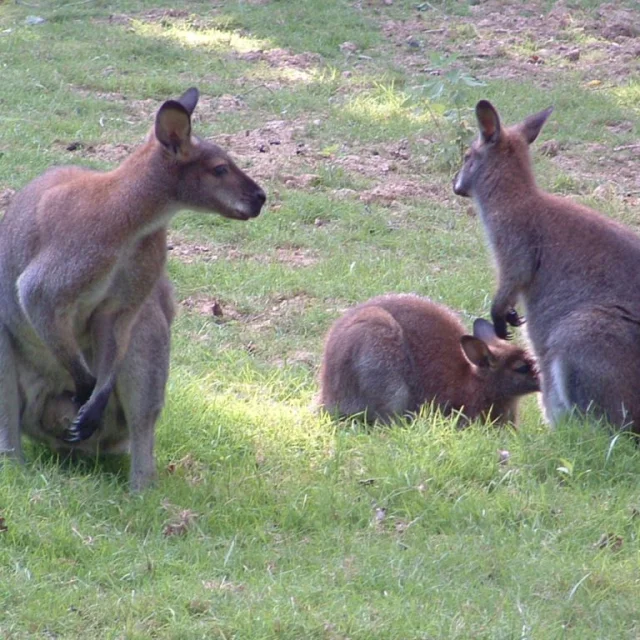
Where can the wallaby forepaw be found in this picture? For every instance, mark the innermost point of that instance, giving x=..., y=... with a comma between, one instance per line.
x=89, y=418
x=86, y=423
x=514, y=319
x=500, y=328
x=83, y=393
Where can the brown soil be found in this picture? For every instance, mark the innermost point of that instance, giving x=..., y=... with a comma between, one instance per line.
x=506, y=39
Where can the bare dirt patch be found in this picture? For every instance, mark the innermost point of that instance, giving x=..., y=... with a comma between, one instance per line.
x=282, y=58
x=614, y=170
x=511, y=40
x=274, y=309
x=275, y=149
x=190, y=252
x=212, y=307
x=153, y=15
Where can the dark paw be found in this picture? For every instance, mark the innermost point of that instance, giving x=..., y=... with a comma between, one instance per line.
x=83, y=393
x=514, y=319
x=500, y=327
x=88, y=420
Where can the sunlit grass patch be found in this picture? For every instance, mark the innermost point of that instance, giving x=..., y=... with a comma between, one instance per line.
x=211, y=39
x=628, y=95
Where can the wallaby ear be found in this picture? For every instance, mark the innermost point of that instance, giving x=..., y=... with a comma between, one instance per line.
x=484, y=331
x=476, y=351
x=189, y=99
x=173, y=125
x=488, y=121
x=532, y=125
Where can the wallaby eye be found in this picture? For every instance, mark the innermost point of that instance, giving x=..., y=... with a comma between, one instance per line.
x=220, y=170
x=523, y=367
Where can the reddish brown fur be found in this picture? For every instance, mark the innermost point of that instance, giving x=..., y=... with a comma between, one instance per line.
x=576, y=271
x=80, y=253
x=392, y=354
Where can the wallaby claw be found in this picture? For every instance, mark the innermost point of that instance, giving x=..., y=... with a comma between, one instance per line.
x=500, y=327
x=83, y=393
x=83, y=427
x=89, y=418
x=514, y=319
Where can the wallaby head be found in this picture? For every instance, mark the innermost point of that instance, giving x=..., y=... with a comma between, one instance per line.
x=499, y=157
x=206, y=178
x=504, y=370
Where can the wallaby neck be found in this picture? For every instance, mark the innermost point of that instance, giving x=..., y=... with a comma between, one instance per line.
x=506, y=189
x=145, y=185
x=506, y=203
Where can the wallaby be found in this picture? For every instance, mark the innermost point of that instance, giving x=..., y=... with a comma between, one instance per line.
x=392, y=354
x=576, y=271
x=47, y=408
x=81, y=250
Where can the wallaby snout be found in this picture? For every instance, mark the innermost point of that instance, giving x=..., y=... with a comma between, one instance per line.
x=394, y=353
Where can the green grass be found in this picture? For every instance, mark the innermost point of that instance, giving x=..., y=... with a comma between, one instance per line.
x=268, y=520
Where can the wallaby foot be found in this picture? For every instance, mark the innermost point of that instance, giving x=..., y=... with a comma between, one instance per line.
x=89, y=417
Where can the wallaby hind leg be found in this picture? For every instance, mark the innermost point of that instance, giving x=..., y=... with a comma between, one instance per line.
x=588, y=375
x=142, y=380
x=368, y=368
x=9, y=399
x=555, y=396
x=384, y=390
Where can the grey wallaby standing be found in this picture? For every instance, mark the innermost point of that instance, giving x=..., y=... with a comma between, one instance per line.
x=392, y=354
x=80, y=253
x=576, y=271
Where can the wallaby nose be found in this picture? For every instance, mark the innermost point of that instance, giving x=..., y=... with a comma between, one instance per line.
x=259, y=197
x=458, y=187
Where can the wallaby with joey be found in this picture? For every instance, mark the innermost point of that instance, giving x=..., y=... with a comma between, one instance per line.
x=82, y=250
x=392, y=354
x=47, y=408
x=576, y=271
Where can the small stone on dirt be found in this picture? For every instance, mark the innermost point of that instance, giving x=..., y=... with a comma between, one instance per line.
x=348, y=47
x=216, y=309
x=550, y=148
x=573, y=56
x=609, y=540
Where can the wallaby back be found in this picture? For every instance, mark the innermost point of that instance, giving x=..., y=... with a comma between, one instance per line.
x=576, y=271
x=394, y=353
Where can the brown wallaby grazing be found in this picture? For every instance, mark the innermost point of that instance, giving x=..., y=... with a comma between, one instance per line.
x=392, y=354
x=576, y=271
x=81, y=250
